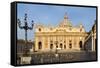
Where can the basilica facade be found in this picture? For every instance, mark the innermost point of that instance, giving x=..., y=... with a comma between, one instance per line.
x=63, y=37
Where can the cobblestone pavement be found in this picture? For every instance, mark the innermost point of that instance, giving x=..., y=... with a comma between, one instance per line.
x=42, y=58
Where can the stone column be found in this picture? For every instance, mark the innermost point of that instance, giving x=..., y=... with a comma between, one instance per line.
x=36, y=43
x=92, y=42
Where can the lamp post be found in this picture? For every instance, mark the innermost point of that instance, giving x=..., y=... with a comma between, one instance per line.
x=26, y=28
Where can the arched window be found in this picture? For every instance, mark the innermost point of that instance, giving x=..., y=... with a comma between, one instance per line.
x=64, y=46
x=39, y=29
x=61, y=45
x=39, y=45
x=70, y=45
x=51, y=41
x=80, y=44
x=56, y=46
x=51, y=46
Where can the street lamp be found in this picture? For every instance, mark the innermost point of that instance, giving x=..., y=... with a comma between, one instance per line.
x=26, y=28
